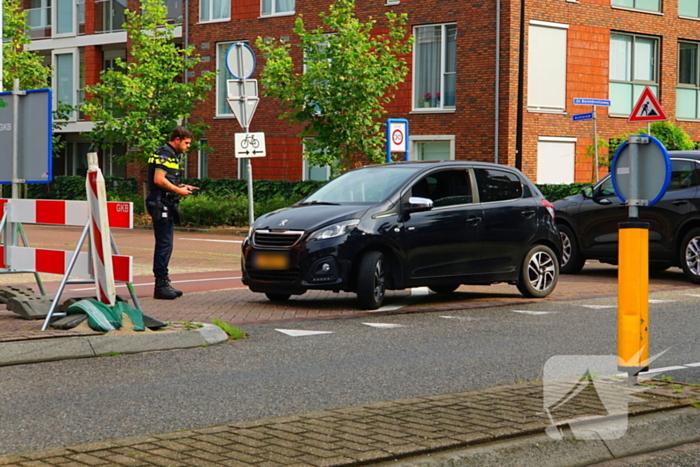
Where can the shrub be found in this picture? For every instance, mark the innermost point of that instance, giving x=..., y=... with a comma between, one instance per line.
x=206, y=210
x=555, y=192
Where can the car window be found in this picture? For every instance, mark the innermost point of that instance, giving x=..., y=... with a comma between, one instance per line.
x=498, y=185
x=606, y=188
x=684, y=174
x=366, y=185
x=445, y=188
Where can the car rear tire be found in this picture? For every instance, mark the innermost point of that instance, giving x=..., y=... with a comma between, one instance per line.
x=572, y=260
x=371, y=281
x=539, y=272
x=278, y=297
x=690, y=256
x=444, y=289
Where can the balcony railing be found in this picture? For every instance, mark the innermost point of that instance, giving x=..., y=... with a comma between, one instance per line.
x=39, y=21
x=109, y=15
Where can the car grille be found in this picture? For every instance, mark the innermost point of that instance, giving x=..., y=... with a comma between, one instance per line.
x=273, y=276
x=277, y=239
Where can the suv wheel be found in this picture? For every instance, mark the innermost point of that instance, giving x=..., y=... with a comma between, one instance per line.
x=572, y=260
x=539, y=272
x=690, y=256
x=277, y=297
x=371, y=281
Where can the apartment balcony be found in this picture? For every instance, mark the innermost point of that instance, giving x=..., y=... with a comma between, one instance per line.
x=109, y=16
x=39, y=21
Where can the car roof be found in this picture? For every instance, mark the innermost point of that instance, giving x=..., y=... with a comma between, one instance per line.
x=685, y=154
x=450, y=163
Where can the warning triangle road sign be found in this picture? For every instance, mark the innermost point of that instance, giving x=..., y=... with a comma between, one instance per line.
x=648, y=108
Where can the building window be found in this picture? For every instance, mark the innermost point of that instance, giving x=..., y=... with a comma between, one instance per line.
x=688, y=85
x=435, y=69
x=109, y=15
x=689, y=8
x=432, y=148
x=313, y=172
x=66, y=82
x=556, y=158
x=546, y=70
x=633, y=65
x=65, y=15
x=277, y=7
x=647, y=5
x=222, y=75
x=214, y=10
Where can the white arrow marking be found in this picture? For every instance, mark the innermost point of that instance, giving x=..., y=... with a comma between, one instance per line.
x=301, y=332
x=384, y=325
x=598, y=307
x=528, y=312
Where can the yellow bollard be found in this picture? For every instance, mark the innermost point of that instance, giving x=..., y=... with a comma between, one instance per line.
x=633, y=298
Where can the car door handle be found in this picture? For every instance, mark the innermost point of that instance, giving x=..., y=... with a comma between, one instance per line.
x=528, y=214
x=474, y=220
x=680, y=202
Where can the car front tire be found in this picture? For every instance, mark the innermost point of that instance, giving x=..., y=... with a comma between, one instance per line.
x=371, y=280
x=539, y=272
x=278, y=297
x=572, y=260
x=690, y=256
x=444, y=289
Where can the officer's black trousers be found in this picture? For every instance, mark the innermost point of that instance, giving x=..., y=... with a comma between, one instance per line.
x=163, y=229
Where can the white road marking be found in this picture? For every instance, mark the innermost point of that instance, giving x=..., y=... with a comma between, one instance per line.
x=662, y=370
x=211, y=240
x=301, y=332
x=692, y=295
x=415, y=292
x=598, y=307
x=693, y=364
x=384, y=325
x=419, y=291
x=463, y=318
x=661, y=301
x=528, y=312
x=173, y=282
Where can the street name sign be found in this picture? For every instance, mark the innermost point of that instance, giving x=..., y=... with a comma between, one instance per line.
x=586, y=101
x=586, y=116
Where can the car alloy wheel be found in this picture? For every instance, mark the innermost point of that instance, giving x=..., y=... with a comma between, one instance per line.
x=571, y=259
x=371, y=281
x=539, y=272
x=690, y=256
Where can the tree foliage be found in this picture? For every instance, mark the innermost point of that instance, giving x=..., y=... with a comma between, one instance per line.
x=348, y=76
x=19, y=63
x=140, y=101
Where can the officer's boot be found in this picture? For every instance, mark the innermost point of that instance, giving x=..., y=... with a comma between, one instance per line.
x=177, y=292
x=163, y=291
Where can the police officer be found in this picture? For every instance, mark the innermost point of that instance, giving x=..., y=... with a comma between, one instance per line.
x=164, y=191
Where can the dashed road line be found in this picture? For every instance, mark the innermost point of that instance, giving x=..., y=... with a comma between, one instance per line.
x=302, y=332
x=528, y=312
x=385, y=325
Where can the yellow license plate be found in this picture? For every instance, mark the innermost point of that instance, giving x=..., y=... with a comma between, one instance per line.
x=277, y=261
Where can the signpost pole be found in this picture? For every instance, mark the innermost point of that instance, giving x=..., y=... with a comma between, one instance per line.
x=11, y=227
x=246, y=129
x=595, y=142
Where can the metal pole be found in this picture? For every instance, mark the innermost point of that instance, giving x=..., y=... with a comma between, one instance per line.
x=634, y=170
x=595, y=142
x=2, y=42
x=246, y=129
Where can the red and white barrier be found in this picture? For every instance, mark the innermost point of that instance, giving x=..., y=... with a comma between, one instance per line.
x=99, y=233
x=58, y=212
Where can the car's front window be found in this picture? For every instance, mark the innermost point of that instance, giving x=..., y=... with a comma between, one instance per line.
x=369, y=185
x=606, y=188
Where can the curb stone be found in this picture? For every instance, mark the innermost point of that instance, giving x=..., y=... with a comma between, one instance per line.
x=42, y=350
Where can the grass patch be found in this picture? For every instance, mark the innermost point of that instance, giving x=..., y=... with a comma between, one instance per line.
x=232, y=331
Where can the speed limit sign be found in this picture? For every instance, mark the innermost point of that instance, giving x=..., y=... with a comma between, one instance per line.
x=397, y=135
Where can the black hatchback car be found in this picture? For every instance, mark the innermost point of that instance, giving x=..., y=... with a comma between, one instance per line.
x=588, y=222
x=437, y=224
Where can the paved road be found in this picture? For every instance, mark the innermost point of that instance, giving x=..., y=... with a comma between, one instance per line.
x=272, y=373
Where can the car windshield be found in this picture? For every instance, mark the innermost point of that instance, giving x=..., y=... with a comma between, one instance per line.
x=368, y=185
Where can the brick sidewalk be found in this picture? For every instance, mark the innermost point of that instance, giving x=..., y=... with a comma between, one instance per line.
x=358, y=435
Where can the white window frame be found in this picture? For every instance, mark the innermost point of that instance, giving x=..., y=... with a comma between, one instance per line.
x=75, y=53
x=222, y=73
x=443, y=59
x=305, y=166
x=211, y=9
x=276, y=13
x=683, y=90
x=54, y=19
x=638, y=85
x=546, y=69
x=558, y=139
x=413, y=141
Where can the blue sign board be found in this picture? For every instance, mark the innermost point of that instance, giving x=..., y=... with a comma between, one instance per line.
x=584, y=101
x=654, y=171
x=578, y=117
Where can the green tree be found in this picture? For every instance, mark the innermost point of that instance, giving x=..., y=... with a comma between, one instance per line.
x=671, y=135
x=19, y=63
x=140, y=103
x=348, y=76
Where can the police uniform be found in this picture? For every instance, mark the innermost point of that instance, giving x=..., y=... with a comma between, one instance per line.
x=163, y=207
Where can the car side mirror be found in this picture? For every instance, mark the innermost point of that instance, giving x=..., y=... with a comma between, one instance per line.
x=587, y=192
x=418, y=204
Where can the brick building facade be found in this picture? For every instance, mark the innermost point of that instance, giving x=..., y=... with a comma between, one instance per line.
x=550, y=52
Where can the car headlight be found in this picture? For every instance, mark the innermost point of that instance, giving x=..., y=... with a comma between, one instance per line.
x=335, y=230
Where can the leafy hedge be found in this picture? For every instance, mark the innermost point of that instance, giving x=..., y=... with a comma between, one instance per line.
x=219, y=202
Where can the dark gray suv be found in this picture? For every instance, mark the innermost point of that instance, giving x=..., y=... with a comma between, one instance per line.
x=588, y=222
x=400, y=225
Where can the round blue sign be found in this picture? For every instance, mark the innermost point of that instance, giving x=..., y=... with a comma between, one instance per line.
x=653, y=171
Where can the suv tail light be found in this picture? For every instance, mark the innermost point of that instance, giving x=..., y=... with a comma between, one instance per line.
x=550, y=208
